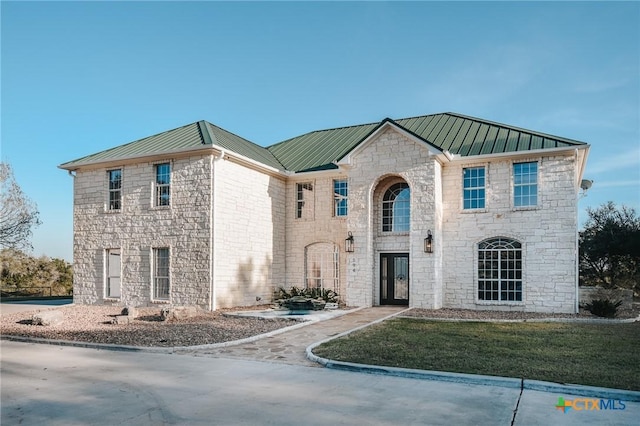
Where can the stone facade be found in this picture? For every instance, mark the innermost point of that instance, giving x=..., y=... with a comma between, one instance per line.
x=248, y=235
x=237, y=230
x=138, y=227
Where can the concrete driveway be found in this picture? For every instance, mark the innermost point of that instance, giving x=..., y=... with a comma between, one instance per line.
x=61, y=385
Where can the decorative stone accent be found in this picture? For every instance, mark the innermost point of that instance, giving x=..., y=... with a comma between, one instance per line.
x=53, y=317
x=130, y=311
x=122, y=320
x=178, y=313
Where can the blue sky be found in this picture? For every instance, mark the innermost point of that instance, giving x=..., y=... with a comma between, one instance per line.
x=81, y=77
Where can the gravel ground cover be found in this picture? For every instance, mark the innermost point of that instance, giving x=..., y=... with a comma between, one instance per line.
x=93, y=324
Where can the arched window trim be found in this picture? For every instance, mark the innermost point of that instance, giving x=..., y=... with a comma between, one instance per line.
x=396, y=208
x=321, y=266
x=500, y=269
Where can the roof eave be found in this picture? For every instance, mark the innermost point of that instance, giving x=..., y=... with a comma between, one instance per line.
x=76, y=165
x=514, y=154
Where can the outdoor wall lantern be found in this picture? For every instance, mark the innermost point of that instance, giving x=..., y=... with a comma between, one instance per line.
x=348, y=243
x=428, y=242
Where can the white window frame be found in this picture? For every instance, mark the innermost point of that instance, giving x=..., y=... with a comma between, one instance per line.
x=475, y=188
x=389, y=211
x=158, y=275
x=109, y=273
x=527, y=184
x=304, y=205
x=108, y=205
x=338, y=198
x=500, y=268
x=158, y=187
x=322, y=267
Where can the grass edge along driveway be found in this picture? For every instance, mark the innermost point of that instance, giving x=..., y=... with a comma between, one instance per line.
x=606, y=355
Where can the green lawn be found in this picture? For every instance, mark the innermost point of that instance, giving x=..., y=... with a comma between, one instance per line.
x=605, y=355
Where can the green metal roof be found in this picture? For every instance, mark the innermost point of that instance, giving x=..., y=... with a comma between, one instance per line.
x=241, y=146
x=460, y=135
x=318, y=150
x=194, y=135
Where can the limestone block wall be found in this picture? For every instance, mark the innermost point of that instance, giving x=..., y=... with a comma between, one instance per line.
x=317, y=226
x=547, y=233
x=390, y=157
x=249, y=234
x=138, y=227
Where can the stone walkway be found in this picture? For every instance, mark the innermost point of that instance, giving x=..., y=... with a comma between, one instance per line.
x=289, y=347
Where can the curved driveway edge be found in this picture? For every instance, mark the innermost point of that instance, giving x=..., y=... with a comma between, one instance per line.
x=463, y=378
x=168, y=349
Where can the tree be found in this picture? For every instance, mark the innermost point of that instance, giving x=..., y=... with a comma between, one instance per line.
x=18, y=214
x=610, y=247
x=25, y=274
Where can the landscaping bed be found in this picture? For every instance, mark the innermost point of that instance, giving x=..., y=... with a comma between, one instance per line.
x=93, y=324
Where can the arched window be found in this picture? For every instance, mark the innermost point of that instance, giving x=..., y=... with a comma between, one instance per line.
x=321, y=266
x=500, y=270
x=396, y=208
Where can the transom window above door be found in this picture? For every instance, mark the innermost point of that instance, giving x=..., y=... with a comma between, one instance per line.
x=396, y=208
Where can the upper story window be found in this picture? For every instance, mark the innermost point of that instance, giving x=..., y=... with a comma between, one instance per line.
x=304, y=200
x=396, y=208
x=163, y=184
x=525, y=184
x=473, y=188
x=115, y=189
x=340, y=196
x=500, y=270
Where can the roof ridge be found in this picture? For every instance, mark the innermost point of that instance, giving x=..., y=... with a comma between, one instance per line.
x=395, y=120
x=208, y=123
x=325, y=130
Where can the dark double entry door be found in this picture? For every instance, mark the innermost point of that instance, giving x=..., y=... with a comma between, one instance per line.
x=394, y=278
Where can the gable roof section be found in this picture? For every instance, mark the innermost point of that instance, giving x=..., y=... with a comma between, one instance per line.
x=192, y=136
x=235, y=143
x=466, y=136
x=320, y=149
x=458, y=134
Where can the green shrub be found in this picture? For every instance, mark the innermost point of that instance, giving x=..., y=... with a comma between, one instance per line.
x=603, y=307
x=327, y=295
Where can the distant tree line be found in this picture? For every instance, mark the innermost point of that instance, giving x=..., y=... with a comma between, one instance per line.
x=25, y=275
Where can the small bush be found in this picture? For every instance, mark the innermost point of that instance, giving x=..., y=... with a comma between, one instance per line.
x=603, y=307
x=327, y=295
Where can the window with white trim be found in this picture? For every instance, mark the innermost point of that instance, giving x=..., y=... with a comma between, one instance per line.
x=321, y=266
x=500, y=270
x=525, y=184
x=340, y=197
x=396, y=208
x=304, y=200
x=112, y=269
x=161, y=273
x=115, y=189
x=473, y=188
x=163, y=184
